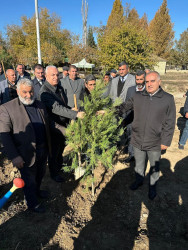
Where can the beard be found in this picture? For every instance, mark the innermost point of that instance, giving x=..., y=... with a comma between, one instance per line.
x=26, y=101
x=140, y=86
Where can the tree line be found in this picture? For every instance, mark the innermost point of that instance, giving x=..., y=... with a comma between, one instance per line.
x=126, y=36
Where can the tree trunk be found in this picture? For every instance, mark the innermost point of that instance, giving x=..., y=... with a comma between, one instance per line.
x=79, y=171
x=92, y=185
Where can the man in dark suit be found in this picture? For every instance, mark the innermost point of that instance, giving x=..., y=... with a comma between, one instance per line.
x=21, y=73
x=8, y=87
x=53, y=97
x=25, y=135
x=39, y=79
x=140, y=86
x=72, y=85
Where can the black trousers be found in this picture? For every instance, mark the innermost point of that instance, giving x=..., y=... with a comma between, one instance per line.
x=33, y=176
x=55, y=161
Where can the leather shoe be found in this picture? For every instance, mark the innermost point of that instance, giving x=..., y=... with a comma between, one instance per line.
x=129, y=159
x=152, y=192
x=43, y=194
x=180, y=146
x=136, y=185
x=58, y=178
x=38, y=209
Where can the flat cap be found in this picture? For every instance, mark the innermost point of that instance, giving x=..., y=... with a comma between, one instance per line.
x=65, y=68
x=113, y=71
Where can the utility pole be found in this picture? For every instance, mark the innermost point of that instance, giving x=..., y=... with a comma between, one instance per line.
x=84, y=19
x=38, y=32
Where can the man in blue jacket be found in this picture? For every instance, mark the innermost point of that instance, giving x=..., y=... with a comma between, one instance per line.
x=184, y=135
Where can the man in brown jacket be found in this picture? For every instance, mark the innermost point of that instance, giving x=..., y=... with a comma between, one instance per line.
x=25, y=135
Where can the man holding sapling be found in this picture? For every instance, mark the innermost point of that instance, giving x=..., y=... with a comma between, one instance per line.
x=53, y=96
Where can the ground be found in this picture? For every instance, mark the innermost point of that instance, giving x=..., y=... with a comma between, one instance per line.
x=116, y=217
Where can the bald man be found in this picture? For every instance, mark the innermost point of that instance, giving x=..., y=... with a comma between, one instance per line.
x=8, y=87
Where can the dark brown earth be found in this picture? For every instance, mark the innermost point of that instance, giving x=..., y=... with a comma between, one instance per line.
x=116, y=217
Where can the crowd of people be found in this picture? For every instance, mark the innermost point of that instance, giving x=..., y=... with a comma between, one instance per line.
x=34, y=115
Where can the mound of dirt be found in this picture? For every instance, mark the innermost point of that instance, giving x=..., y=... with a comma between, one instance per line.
x=116, y=217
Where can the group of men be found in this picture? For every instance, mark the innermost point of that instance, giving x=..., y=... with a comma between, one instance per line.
x=34, y=116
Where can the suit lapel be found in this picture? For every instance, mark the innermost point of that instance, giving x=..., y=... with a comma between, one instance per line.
x=124, y=90
x=116, y=86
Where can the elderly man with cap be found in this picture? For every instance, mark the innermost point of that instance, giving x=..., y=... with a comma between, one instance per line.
x=65, y=71
x=113, y=73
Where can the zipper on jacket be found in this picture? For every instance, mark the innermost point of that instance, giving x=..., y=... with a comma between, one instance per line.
x=150, y=98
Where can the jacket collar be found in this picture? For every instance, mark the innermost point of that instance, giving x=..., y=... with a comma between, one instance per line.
x=50, y=87
x=159, y=94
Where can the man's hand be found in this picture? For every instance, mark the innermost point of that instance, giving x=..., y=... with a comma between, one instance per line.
x=18, y=162
x=75, y=109
x=186, y=115
x=163, y=147
x=80, y=115
x=100, y=112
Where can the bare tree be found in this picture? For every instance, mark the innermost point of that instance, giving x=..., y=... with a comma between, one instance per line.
x=84, y=19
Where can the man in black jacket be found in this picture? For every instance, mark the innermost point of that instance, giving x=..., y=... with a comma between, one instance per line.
x=152, y=128
x=53, y=97
x=140, y=86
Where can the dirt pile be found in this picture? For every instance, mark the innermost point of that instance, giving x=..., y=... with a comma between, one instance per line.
x=116, y=217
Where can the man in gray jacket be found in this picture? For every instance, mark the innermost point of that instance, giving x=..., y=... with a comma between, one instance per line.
x=73, y=85
x=152, y=128
x=120, y=84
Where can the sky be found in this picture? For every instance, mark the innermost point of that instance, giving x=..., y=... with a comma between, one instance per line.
x=99, y=10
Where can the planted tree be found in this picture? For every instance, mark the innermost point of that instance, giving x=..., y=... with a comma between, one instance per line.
x=94, y=138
